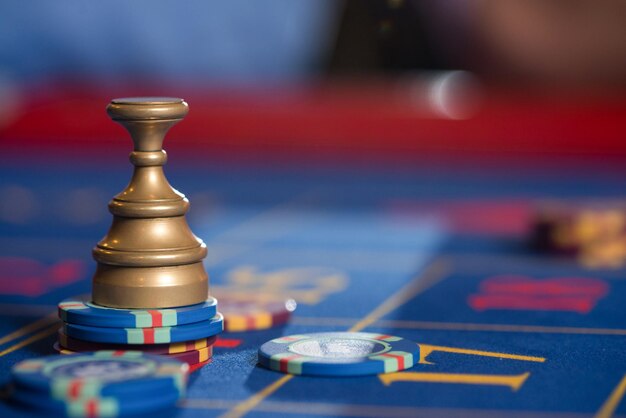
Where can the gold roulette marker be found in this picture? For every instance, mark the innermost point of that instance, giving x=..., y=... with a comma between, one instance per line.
x=149, y=257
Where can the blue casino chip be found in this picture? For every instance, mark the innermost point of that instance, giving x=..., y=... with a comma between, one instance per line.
x=83, y=312
x=162, y=335
x=99, y=407
x=339, y=354
x=124, y=375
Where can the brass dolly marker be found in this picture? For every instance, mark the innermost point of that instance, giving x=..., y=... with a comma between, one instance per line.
x=149, y=258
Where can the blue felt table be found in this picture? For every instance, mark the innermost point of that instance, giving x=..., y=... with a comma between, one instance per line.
x=359, y=250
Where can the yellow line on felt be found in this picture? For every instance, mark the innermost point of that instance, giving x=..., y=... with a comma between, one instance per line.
x=35, y=337
x=459, y=326
x=426, y=349
x=433, y=273
x=611, y=404
x=247, y=405
x=251, y=402
x=20, y=332
x=375, y=411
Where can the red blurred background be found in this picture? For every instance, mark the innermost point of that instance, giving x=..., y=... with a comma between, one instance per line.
x=394, y=81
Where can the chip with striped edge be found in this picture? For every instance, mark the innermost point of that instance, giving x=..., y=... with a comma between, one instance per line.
x=161, y=335
x=74, y=344
x=99, y=407
x=195, y=367
x=82, y=311
x=190, y=357
x=339, y=354
x=123, y=375
x=247, y=314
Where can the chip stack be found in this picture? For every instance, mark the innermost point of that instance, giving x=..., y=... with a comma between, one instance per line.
x=149, y=319
x=339, y=354
x=186, y=333
x=102, y=384
x=150, y=289
x=255, y=312
x=594, y=232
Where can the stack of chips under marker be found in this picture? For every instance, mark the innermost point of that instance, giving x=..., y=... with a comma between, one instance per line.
x=186, y=333
x=148, y=243
x=113, y=369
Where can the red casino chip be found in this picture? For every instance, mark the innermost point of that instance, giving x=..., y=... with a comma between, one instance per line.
x=247, y=314
x=190, y=357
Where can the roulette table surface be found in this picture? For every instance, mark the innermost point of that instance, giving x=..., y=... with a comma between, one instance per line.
x=409, y=226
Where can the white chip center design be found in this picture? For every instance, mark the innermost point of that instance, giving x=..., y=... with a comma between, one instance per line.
x=337, y=348
x=104, y=370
